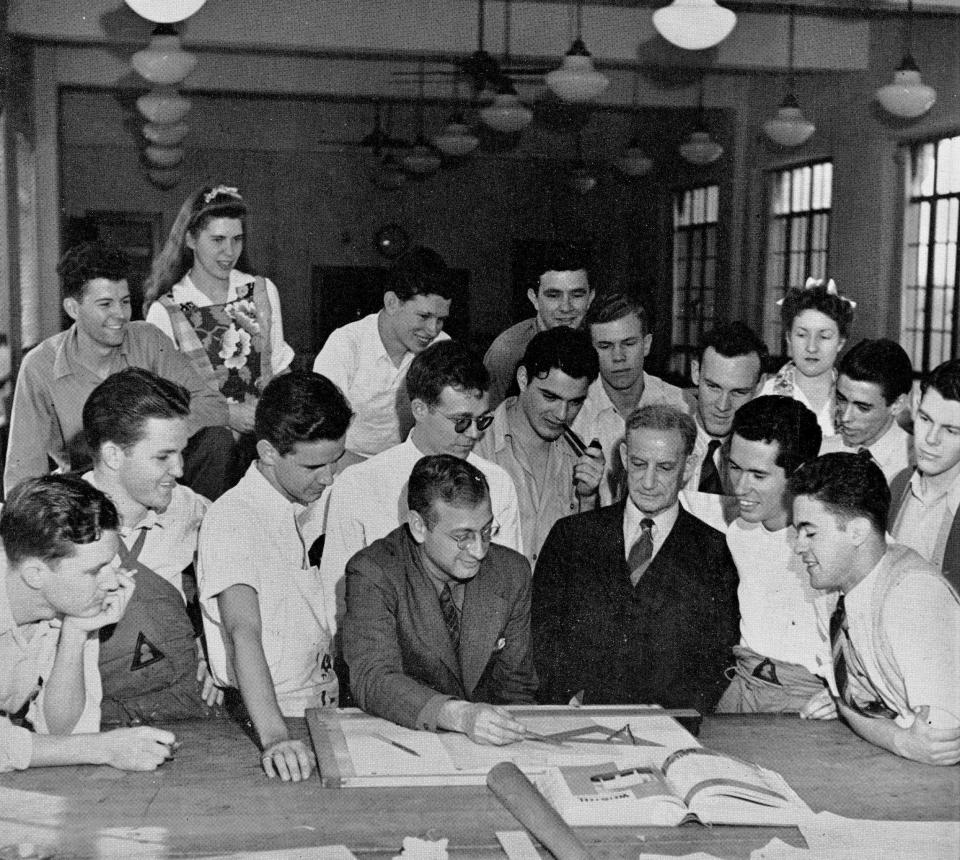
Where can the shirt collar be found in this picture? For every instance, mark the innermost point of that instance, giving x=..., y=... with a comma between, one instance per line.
x=271, y=501
x=952, y=492
x=150, y=519
x=6, y=611
x=663, y=522
x=501, y=428
x=67, y=360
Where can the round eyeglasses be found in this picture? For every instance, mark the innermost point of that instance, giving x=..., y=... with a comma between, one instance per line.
x=467, y=540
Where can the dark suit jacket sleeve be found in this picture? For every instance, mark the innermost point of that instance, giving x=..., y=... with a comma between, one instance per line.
x=547, y=612
x=514, y=677
x=371, y=648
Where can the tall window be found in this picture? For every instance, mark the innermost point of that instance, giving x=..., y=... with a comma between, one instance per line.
x=695, y=217
x=798, y=238
x=930, y=306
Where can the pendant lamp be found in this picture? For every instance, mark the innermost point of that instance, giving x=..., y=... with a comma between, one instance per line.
x=577, y=80
x=789, y=127
x=165, y=11
x=456, y=140
x=694, y=24
x=164, y=61
x=421, y=158
x=506, y=113
x=700, y=148
x=908, y=96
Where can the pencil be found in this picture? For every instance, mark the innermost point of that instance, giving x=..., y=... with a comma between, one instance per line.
x=396, y=744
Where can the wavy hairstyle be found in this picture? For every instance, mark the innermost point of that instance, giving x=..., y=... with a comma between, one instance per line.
x=176, y=259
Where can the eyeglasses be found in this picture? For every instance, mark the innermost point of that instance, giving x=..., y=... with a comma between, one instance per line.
x=461, y=423
x=469, y=539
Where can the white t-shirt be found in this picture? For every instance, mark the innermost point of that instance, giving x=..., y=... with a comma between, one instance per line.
x=355, y=358
x=281, y=353
x=782, y=616
x=368, y=500
x=253, y=536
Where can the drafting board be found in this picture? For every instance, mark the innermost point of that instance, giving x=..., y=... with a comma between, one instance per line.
x=355, y=750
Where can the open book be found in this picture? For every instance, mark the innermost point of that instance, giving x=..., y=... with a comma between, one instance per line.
x=692, y=785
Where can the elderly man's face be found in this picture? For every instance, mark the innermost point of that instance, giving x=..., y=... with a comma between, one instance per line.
x=657, y=468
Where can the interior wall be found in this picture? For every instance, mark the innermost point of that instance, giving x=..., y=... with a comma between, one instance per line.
x=313, y=203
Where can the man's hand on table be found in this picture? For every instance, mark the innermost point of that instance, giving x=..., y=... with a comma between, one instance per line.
x=137, y=748
x=291, y=760
x=929, y=741
x=483, y=724
x=820, y=706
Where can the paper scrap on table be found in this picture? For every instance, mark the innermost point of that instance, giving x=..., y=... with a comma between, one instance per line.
x=423, y=849
x=314, y=852
x=777, y=849
x=830, y=835
x=699, y=855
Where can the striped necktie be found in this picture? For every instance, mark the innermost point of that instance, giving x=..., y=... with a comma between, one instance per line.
x=709, y=475
x=838, y=636
x=451, y=615
x=641, y=552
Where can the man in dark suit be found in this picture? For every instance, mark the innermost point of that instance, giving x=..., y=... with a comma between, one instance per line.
x=925, y=511
x=636, y=602
x=437, y=628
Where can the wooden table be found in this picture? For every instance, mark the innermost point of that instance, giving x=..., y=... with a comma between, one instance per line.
x=213, y=798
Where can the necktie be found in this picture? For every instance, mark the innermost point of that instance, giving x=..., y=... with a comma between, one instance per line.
x=304, y=553
x=129, y=557
x=709, y=476
x=641, y=552
x=838, y=635
x=451, y=615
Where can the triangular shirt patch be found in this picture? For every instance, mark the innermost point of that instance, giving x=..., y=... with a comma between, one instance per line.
x=145, y=653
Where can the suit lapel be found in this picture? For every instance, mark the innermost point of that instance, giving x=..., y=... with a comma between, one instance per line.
x=484, y=611
x=425, y=608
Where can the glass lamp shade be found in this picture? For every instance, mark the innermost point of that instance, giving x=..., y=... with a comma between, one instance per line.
x=164, y=156
x=163, y=61
x=165, y=11
x=694, y=24
x=634, y=161
x=456, y=140
x=907, y=96
x=507, y=113
x=421, y=158
x=789, y=127
x=700, y=149
x=577, y=80
x=581, y=179
x=164, y=107
x=165, y=135
x=164, y=177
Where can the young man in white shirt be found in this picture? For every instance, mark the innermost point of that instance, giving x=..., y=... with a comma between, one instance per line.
x=368, y=359
x=925, y=513
x=59, y=585
x=621, y=335
x=448, y=390
x=151, y=664
x=262, y=600
x=896, y=628
x=784, y=645
x=561, y=296
x=873, y=388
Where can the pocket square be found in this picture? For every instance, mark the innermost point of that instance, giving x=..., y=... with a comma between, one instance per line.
x=501, y=644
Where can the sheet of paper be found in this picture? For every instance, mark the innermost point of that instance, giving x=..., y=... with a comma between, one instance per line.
x=322, y=852
x=832, y=836
x=372, y=753
x=517, y=845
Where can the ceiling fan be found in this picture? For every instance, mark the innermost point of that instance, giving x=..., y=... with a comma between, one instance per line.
x=481, y=68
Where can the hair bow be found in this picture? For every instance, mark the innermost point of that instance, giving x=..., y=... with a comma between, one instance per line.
x=228, y=190
x=831, y=287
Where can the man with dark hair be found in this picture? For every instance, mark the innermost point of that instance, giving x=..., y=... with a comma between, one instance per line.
x=263, y=602
x=727, y=373
x=925, y=514
x=784, y=645
x=437, y=630
x=895, y=633
x=530, y=438
x=447, y=386
x=150, y=662
x=561, y=296
x=57, y=376
x=59, y=585
x=368, y=359
x=873, y=387
x=620, y=332
x=636, y=602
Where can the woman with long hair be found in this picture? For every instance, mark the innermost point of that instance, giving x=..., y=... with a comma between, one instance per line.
x=227, y=322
